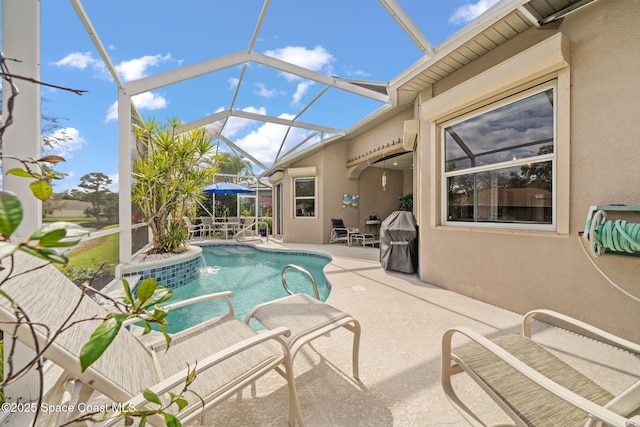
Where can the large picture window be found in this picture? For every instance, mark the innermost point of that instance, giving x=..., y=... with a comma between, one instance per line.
x=499, y=164
x=304, y=190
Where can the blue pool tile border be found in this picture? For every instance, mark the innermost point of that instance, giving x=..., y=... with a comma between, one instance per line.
x=170, y=276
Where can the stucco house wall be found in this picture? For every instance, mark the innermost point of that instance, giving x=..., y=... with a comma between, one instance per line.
x=519, y=270
x=335, y=179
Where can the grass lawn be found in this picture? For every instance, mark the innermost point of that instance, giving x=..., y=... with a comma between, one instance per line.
x=90, y=254
x=87, y=222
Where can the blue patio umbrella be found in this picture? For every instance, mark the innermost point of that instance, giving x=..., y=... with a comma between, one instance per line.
x=227, y=188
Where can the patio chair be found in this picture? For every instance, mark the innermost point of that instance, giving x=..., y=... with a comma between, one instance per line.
x=207, y=223
x=226, y=353
x=340, y=233
x=308, y=319
x=531, y=385
x=192, y=228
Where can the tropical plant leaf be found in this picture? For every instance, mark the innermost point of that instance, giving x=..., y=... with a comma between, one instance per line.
x=48, y=254
x=151, y=396
x=72, y=230
x=146, y=289
x=180, y=401
x=172, y=420
x=42, y=190
x=159, y=296
x=127, y=291
x=191, y=376
x=159, y=314
x=10, y=213
x=100, y=339
x=21, y=172
x=52, y=238
x=6, y=249
x=167, y=337
x=51, y=159
x=147, y=327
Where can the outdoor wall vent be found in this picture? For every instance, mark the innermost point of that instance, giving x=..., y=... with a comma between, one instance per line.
x=410, y=134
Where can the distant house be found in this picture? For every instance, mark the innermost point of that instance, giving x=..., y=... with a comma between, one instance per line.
x=70, y=208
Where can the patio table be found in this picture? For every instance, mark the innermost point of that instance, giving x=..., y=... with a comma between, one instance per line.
x=225, y=227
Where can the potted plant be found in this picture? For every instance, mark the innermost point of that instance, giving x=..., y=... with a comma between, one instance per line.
x=169, y=175
x=405, y=203
x=266, y=224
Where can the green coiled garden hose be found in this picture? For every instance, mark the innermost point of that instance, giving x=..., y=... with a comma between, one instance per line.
x=616, y=236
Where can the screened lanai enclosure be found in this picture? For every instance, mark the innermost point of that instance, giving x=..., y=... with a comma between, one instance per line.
x=242, y=58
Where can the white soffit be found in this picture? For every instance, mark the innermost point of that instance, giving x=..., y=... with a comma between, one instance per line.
x=545, y=57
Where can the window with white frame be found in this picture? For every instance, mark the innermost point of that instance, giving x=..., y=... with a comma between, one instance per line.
x=304, y=196
x=499, y=163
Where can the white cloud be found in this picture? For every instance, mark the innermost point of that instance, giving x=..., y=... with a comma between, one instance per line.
x=360, y=73
x=317, y=59
x=65, y=141
x=112, y=112
x=143, y=101
x=301, y=90
x=128, y=70
x=263, y=92
x=137, y=68
x=115, y=182
x=233, y=82
x=469, y=12
x=82, y=61
x=149, y=101
x=264, y=142
x=236, y=124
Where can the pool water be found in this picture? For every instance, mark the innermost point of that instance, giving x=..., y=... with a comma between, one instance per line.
x=254, y=277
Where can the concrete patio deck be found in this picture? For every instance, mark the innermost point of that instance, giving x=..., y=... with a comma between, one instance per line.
x=402, y=321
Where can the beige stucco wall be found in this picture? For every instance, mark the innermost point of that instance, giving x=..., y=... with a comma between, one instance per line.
x=544, y=270
x=374, y=200
x=335, y=180
x=382, y=134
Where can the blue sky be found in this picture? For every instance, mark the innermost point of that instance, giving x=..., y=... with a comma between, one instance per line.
x=354, y=39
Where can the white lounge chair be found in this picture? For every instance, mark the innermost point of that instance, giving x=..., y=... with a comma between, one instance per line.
x=308, y=319
x=228, y=353
x=531, y=385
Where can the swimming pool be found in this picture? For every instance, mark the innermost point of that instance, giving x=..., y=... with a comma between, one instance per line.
x=252, y=274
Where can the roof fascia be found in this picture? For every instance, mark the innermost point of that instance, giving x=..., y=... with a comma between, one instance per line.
x=468, y=32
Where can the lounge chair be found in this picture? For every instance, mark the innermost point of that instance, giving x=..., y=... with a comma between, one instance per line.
x=308, y=319
x=340, y=233
x=531, y=385
x=229, y=354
